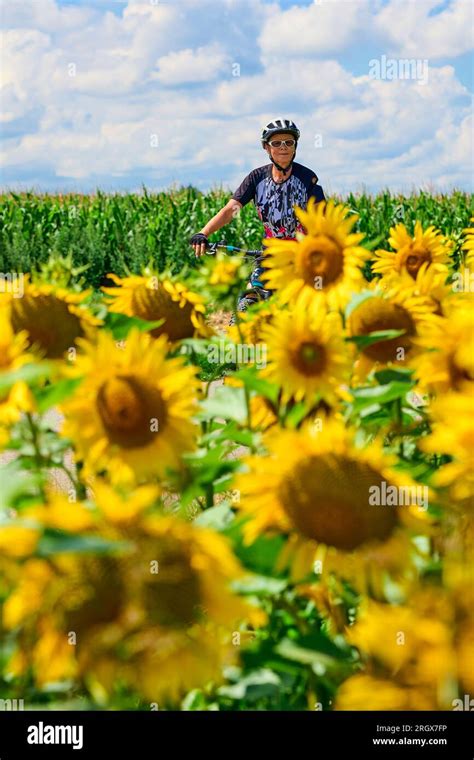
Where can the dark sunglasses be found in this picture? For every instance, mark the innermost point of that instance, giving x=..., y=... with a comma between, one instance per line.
x=279, y=143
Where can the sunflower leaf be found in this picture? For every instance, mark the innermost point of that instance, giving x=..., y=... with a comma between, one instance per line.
x=261, y=555
x=216, y=518
x=29, y=373
x=120, y=324
x=56, y=542
x=403, y=374
x=362, y=341
x=255, y=383
x=53, y=394
x=227, y=403
x=380, y=394
x=260, y=683
x=311, y=649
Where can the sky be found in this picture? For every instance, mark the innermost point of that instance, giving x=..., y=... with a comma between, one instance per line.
x=121, y=94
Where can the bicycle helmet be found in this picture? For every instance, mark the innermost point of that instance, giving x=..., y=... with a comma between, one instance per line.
x=280, y=126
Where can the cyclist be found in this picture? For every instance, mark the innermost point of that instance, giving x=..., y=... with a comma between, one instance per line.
x=275, y=188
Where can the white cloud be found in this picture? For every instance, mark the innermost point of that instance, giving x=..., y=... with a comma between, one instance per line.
x=166, y=70
x=185, y=66
x=414, y=33
x=316, y=30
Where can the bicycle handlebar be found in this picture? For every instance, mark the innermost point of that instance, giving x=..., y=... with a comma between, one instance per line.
x=212, y=249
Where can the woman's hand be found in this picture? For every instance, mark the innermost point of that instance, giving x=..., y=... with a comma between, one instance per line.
x=199, y=243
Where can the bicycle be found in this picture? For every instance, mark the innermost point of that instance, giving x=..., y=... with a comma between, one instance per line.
x=257, y=291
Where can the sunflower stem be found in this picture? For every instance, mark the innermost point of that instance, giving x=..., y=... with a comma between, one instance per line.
x=39, y=459
x=79, y=487
x=246, y=391
x=209, y=495
x=399, y=421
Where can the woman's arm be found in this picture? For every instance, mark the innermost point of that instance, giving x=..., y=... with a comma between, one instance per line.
x=223, y=217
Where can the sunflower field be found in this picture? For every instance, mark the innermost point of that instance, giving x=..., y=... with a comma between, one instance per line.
x=276, y=514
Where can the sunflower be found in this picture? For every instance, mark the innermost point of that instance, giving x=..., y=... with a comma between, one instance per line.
x=408, y=653
x=452, y=433
x=13, y=355
x=392, y=310
x=252, y=322
x=468, y=244
x=306, y=350
x=325, y=262
x=131, y=413
x=153, y=298
x=410, y=253
x=428, y=283
x=319, y=488
x=446, y=361
x=18, y=539
x=225, y=271
x=158, y=617
x=52, y=318
x=367, y=692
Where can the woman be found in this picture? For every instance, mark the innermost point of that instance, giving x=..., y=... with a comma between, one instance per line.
x=276, y=189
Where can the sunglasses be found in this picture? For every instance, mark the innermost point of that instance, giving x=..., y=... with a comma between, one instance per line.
x=279, y=143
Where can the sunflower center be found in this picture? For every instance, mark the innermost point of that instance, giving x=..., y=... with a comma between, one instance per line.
x=458, y=373
x=414, y=258
x=51, y=327
x=309, y=358
x=172, y=594
x=327, y=499
x=98, y=597
x=132, y=413
x=377, y=314
x=322, y=258
x=152, y=304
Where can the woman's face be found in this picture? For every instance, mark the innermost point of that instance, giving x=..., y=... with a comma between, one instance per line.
x=283, y=154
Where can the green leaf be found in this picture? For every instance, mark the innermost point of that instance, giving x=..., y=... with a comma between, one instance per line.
x=259, y=585
x=194, y=700
x=402, y=375
x=198, y=345
x=261, y=555
x=254, y=382
x=227, y=403
x=312, y=649
x=29, y=373
x=362, y=341
x=380, y=394
x=16, y=485
x=260, y=683
x=216, y=518
x=55, y=393
x=230, y=432
x=56, y=542
x=120, y=324
x=297, y=414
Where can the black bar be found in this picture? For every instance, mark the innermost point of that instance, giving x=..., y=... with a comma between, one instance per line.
x=155, y=734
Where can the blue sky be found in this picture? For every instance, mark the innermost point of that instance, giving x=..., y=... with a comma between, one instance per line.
x=116, y=94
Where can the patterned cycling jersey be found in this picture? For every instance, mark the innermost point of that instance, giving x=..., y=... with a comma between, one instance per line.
x=274, y=201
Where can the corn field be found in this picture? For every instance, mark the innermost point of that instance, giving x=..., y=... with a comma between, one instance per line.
x=124, y=233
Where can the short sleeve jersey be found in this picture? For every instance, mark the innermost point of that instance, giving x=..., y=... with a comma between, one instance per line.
x=275, y=201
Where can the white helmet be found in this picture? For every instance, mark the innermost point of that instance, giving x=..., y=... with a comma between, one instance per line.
x=285, y=126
